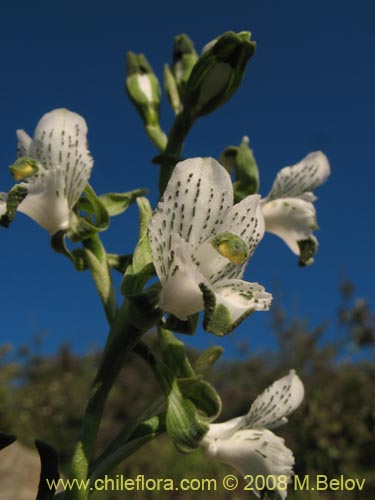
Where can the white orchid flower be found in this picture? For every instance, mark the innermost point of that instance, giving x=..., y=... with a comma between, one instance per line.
x=288, y=209
x=54, y=166
x=247, y=444
x=201, y=243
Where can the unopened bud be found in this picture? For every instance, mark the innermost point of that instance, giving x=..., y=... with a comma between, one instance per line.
x=184, y=59
x=218, y=73
x=143, y=87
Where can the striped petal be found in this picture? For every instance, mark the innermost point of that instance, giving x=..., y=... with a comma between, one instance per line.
x=245, y=219
x=45, y=202
x=198, y=196
x=301, y=178
x=277, y=402
x=60, y=141
x=254, y=452
x=292, y=219
x=180, y=294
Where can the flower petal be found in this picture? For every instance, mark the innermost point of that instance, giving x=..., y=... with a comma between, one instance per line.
x=180, y=294
x=245, y=219
x=301, y=178
x=255, y=452
x=292, y=219
x=279, y=400
x=198, y=195
x=45, y=202
x=230, y=302
x=24, y=143
x=60, y=141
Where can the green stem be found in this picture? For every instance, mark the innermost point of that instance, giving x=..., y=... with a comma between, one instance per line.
x=171, y=155
x=122, y=338
x=97, y=261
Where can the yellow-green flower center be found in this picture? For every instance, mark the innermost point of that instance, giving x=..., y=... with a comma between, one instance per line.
x=231, y=247
x=23, y=168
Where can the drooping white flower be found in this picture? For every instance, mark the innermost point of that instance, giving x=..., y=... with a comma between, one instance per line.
x=247, y=444
x=201, y=243
x=288, y=209
x=54, y=166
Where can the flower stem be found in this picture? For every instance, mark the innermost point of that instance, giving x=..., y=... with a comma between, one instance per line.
x=97, y=261
x=170, y=157
x=122, y=338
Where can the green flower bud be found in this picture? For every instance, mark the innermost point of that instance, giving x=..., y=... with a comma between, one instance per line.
x=218, y=73
x=143, y=87
x=184, y=59
x=23, y=168
x=171, y=89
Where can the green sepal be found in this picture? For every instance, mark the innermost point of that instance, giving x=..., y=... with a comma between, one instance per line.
x=6, y=440
x=142, y=268
x=217, y=318
x=174, y=354
x=175, y=324
x=14, y=198
x=77, y=256
x=95, y=219
x=217, y=73
x=183, y=423
x=207, y=359
x=178, y=366
x=241, y=160
x=117, y=203
x=308, y=248
x=171, y=90
x=204, y=397
x=119, y=262
x=184, y=60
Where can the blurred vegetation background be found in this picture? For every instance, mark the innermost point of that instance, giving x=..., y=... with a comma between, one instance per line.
x=332, y=433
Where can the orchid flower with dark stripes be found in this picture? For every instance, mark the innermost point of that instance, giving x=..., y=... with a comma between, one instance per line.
x=247, y=444
x=54, y=168
x=201, y=244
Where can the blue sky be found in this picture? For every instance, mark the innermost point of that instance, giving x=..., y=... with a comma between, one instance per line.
x=308, y=87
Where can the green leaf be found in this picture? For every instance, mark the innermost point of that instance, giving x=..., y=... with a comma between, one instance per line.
x=241, y=160
x=14, y=198
x=142, y=267
x=207, y=359
x=184, y=425
x=204, y=397
x=77, y=256
x=94, y=219
x=117, y=203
